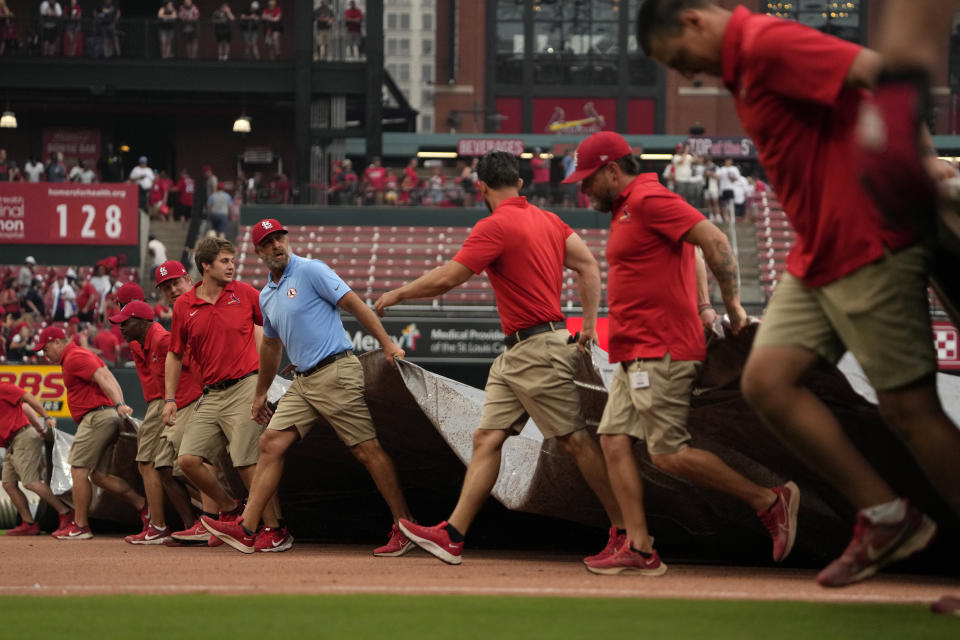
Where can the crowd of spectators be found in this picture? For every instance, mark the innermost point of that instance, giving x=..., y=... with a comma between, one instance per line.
x=409, y=186
x=78, y=299
x=93, y=28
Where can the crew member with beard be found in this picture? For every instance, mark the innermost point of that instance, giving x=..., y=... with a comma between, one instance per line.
x=658, y=340
x=219, y=322
x=524, y=251
x=300, y=305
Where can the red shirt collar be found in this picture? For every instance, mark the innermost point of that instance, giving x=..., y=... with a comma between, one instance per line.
x=71, y=346
x=516, y=201
x=196, y=301
x=732, y=38
x=640, y=180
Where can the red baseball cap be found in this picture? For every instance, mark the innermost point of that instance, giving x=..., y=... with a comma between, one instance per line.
x=207, y=167
x=128, y=292
x=264, y=228
x=48, y=334
x=169, y=270
x=595, y=152
x=135, y=309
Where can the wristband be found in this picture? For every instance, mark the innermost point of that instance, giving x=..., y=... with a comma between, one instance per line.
x=119, y=404
x=170, y=400
x=704, y=307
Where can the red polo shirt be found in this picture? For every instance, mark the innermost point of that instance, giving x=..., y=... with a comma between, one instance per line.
x=522, y=248
x=788, y=85
x=83, y=394
x=652, y=280
x=220, y=335
x=157, y=344
x=151, y=389
x=12, y=416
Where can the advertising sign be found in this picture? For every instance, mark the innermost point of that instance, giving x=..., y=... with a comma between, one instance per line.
x=68, y=213
x=946, y=340
x=732, y=147
x=43, y=381
x=480, y=146
x=74, y=144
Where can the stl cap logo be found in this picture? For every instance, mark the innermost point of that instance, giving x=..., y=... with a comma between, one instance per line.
x=266, y=224
x=603, y=158
x=291, y=293
x=163, y=271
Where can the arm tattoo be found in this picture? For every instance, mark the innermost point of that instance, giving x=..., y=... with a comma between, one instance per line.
x=723, y=264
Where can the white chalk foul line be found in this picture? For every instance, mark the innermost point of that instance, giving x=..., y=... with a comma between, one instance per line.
x=831, y=596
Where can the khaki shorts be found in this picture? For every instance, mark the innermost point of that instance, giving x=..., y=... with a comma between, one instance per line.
x=170, y=440
x=148, y=437
x=221, y=419
x=879, y=312
x=335, y=393
x=98, y=429
x=656, y=413
x=24, y=460
x=535, y=378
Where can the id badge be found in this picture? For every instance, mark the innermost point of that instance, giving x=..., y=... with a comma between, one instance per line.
x=640, y=380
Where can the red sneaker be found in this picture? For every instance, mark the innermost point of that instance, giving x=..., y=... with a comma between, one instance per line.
x=231, y=532
x=433, y=540
x=947, y=604
x=150, y=535
x=876, y=545
x=75, y=532
x=214, y=541
x=891, y=163
x=397, y=545
x=24, y=529
x=614, y=542
x=781, y=520
x=271, y=540
x=626, y=560
x=193, y=535
x=65, y=520
x=144, y=516
x=230, y=516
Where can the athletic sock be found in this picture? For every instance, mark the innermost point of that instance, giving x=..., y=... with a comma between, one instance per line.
x=775, y=501
x=212, y=516
x=247, y=531
x=455, y=535
x=621, y=532
x=887, y=513
x=642, y=553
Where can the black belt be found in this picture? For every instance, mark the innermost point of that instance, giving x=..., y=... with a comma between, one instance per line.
x=13, y=434
x=320, y=365
x=100, y=408
x=523, y=334
x=226, y=384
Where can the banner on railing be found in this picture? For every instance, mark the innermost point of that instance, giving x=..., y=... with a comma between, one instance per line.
x=68, y=213
x=74, y=144
x=730, y=147
x=43, y=381
x=480, y=146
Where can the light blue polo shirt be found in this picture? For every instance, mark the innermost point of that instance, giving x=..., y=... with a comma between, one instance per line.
x=302, y=311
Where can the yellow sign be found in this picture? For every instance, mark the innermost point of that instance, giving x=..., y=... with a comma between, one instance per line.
x=43, y=381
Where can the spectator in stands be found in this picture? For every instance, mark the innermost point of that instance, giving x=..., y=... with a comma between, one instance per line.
x=110, y=165
x=323, y=19
x=9, y=297
x=33, y=298
x=167, y=28
x=272, y=19
x=698, y=181
x=4, y=166
x=29, y=267
x=72, y=30
x=87, y=302
x=409, y=193
x=13, y=172
x=64, y=297
x=50, y=14
x=210, y=179
x=223, y=30
x=727, y=175
x=159, y=196
x=107, y=16
x=189, y=16
x=143, y=177
x=682, y=163
x=282, y=188
x=8, y=28
x=34, y=169
x=19, y=347
x=569, y=191
x=249, y=27
x=163, y=314
x=100, y=282
x=711, y=189
x=106, y=344
x=740, y=197
x=218, y=208
x=436, y=186
x=79, y=333
x=411, y=171
x=541, y=178
x=345, y=185
x=184, y=190
x=157, y=251
x=467, y=184
x=55, y=170
x=82, y=173
x=353, y=18
x=391, y=188
x=374, y=180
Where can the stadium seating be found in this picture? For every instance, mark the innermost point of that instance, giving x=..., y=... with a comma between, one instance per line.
x=375, y=259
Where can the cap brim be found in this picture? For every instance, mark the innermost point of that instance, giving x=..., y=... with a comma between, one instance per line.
x=579, y=175
x=118, y=318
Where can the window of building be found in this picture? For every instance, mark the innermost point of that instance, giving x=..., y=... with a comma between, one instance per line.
x=426, y=47
x=392, y=70
x=426, y=73
x=510, y=9
x=841, y=18
x=427, y=19
x=426, y=123
x=403, y=73
x=405, y=22
x=391, y=46
x=391, y=21
x=404, y=46
x=426, y=98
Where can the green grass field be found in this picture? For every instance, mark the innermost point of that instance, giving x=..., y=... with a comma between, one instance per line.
x=455, y=618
